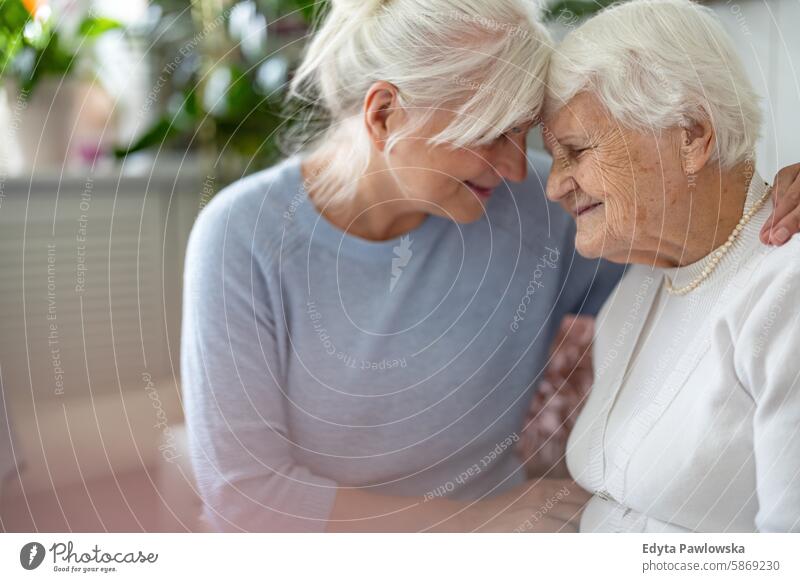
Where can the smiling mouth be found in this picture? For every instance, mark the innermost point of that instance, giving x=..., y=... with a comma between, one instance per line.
x=581, y=210
x=481, y=191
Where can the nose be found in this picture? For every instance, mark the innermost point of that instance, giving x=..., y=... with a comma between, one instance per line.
x=510, y=159
x=560, y=182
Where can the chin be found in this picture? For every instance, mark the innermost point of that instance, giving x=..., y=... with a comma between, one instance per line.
x=588, y=248
x=459, y=216
x=465, y=214
x=471, y=217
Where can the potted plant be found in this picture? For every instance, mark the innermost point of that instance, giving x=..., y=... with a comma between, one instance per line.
x=220, y=74
x=47, y=75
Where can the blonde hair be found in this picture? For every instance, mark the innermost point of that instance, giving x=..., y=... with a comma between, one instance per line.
x=656, y=64
x=484, y=61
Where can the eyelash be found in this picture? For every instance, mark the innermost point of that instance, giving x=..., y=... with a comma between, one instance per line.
x=509, y=134
x=512, y=131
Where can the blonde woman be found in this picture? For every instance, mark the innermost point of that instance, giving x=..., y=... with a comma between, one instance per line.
x=364, y=323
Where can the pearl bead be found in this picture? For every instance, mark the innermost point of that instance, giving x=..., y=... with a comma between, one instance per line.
x=716, y=258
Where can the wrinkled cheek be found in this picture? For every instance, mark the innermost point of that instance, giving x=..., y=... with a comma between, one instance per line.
x=622, y=217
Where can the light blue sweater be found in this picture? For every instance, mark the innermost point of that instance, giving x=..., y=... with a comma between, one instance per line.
x=312, y=359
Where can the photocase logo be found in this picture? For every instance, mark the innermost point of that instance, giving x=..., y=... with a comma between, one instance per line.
x=31, y=555
x=403, y=255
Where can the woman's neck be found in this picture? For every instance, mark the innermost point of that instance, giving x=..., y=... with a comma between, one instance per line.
x=713, y=204
x=377, y=211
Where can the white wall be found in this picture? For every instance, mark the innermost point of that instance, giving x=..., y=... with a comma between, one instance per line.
x=767, y=34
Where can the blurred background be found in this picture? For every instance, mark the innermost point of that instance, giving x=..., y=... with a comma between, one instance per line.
x=118, y=122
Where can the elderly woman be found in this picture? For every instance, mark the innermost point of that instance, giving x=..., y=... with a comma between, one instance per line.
x=693, y=422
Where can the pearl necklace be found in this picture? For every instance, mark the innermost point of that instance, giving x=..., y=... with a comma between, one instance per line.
x=717, y=255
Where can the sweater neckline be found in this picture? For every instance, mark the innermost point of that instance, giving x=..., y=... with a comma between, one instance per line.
x=684, y=275
x=341, y=242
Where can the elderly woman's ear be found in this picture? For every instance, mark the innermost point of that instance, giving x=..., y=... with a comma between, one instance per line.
x=382, y=112
x=697, y=145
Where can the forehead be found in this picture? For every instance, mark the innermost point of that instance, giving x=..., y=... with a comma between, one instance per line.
x=581, y=116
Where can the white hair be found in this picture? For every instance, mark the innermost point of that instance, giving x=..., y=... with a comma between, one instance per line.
x=656, y=64
x=484, y=61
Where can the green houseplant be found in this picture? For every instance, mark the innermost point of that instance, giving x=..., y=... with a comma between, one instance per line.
x=46, y=69
x=221, y=73
x=34, y=46
x=569, y=11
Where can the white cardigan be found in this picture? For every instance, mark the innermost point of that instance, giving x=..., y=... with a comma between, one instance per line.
x=694, y=419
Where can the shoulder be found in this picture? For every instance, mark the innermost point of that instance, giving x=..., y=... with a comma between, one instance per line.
x=765, y=321
x=781, y=263
x=771, y=277
x=260, y=196
x=247, y=213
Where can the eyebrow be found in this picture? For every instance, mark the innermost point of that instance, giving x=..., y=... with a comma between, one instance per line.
x=567, y=141
x=523, y=124
x=550, y=136
x=571, y=137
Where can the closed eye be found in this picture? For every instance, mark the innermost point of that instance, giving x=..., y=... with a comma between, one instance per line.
x=515, y=132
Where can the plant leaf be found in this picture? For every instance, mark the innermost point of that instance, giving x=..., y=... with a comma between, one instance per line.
x=95, y=26
x=575, y=8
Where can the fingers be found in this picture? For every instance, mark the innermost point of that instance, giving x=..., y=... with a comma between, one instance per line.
x=581, y=329
x=548, y=525
x=566, y=513
x=533, y=524
x=784, y=222
x=576, y=493
x=547, y=505
x=573, y=524
x=778, y=231
x=569, y=527
x=562, y=490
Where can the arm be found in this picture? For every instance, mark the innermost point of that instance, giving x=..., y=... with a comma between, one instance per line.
x=544, y=505
x=785, y=219
x=769, y=368
x=235, y=409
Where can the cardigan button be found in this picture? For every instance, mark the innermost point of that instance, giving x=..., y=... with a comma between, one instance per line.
x=603, y=494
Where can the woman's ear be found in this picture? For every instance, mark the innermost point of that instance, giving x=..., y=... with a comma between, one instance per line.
x=698, y=142
x=381, y=112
